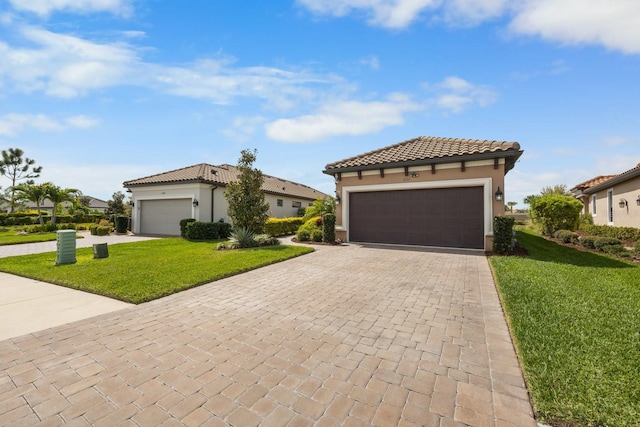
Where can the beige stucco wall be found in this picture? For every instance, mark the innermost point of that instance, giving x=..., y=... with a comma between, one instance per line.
x=478, y=173
x=628, y=216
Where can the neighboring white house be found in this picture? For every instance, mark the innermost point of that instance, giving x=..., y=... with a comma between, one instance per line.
x=160, y=201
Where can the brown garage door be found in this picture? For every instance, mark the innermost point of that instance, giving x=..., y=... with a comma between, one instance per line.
x=446, y=217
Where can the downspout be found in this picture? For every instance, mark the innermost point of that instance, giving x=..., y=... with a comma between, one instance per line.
x=212, y=190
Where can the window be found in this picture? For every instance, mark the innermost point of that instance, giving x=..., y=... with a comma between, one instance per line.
x=593, y=205
x=279, y=202
x=610, y=206
x=295, y=204
x=310, y=203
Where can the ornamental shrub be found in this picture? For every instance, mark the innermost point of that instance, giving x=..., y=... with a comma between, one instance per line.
x=196, y=230
x=617, y=250
x=601, y=242
x=566, y=236
x=242, y=237
x=329, y=228
x=183, y=225
x=556, y=212
x=588, y=242
x=622, y=233
x=282, y=226
x=316, y=235
x=503, y=240
x=306, y=230
x=122, y=223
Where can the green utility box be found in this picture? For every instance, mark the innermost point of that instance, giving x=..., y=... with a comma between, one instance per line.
x=100, y=250
x=66, y=247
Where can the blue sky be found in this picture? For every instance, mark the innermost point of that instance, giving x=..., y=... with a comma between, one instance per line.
x=103, y=91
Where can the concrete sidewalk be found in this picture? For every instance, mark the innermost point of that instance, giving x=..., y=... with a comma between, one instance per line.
x=28, y=305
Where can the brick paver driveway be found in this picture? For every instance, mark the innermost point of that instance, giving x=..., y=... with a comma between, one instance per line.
x=344, y=336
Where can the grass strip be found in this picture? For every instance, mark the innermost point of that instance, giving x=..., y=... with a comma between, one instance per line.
x=143, y=271
x=575, y=318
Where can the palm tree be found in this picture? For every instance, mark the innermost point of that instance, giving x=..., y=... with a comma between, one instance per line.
x=59, y=195
x=34, y=193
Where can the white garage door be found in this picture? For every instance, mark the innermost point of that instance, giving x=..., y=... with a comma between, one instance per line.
x=163, y=216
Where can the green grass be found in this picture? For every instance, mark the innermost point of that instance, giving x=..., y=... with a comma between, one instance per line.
x=143, y=271
x=575, y=318
x=10, y=236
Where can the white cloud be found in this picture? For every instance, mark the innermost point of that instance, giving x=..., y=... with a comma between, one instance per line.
x=46, y=7
x=609, y=23
x=383, y=13
x=342, y=118
x=243, y=128
x=455, y=94
x=13, y=124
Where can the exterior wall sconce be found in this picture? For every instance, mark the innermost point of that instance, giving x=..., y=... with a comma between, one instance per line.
x=623, y=203
x=131, y=203
x=338, y=198
x=499, y=194
x=195, y=203
x=638, y=201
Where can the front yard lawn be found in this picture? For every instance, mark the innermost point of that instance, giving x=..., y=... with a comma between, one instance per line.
x=10, y=236
x=143, y=271
x=575, y=319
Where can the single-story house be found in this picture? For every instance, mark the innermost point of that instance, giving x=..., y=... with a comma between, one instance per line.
x=94, y=204
x=160, y=201
x=612, y=199
x=426, y=191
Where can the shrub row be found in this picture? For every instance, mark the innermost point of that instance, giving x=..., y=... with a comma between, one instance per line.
x=282, y=226
x=29, y=218
x=622, y=233
x=196, y=230
x=310, y=230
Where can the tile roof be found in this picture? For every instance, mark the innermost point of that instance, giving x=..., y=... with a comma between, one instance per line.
x=592, y=182
x=93, y=203
x=222, y=175
x=426, y=150
x=615, y=179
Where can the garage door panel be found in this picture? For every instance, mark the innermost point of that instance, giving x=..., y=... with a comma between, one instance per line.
x=448, y=217
x=163, y=216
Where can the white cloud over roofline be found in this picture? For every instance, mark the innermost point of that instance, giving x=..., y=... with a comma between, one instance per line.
x=13, y=124
x=46, y=7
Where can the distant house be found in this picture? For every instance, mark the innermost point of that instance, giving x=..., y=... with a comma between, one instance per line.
x=94, y=205
x=426, y=191
x=612, y=199
x=160, y=201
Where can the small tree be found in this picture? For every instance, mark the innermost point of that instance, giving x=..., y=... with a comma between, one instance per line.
x=245, y=199
x=35, y=193
x=320, y=207
x=59, y=195
x=116, y=205
x=511, y=205
x=17, y=168
x=555, y=212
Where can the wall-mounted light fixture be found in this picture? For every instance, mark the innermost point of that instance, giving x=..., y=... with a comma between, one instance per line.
x=131, y=203
x=499, y=194
x=195, y=202
x=623, y=203
x=638, y=201
x=337, y=198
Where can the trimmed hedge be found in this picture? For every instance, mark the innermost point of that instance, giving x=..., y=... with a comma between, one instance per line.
x=196, y=230
x=588, y=242
x=122, y=223
x=622, y=233
x=183, y=225
x=328, y=228
x=601, y=242
x=566, y=236
x=310, y=230
x=503, y=240
x=282, y=226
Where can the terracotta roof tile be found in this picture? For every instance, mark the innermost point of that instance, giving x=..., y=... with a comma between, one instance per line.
x=223, y=175
x=424, y=148
x=592, y=182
